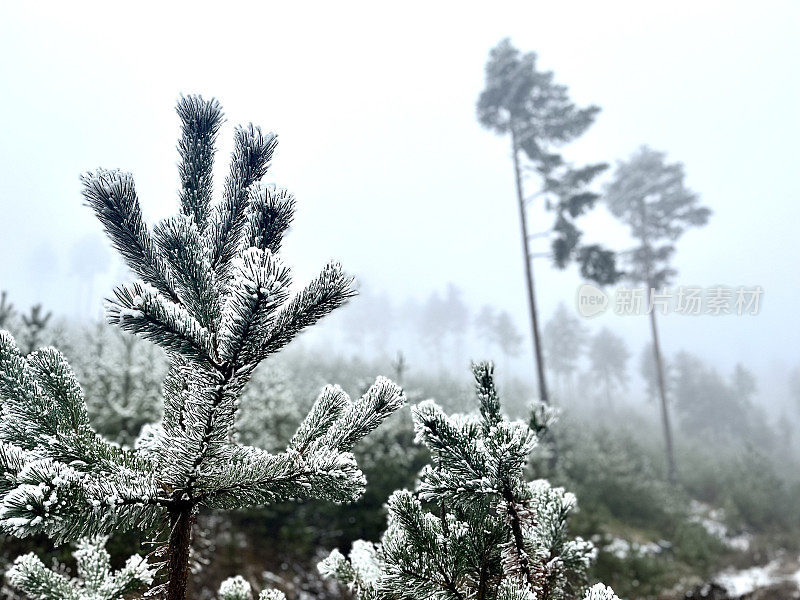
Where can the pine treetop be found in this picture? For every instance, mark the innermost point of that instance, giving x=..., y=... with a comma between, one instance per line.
x=474, y=527
x=214, y=294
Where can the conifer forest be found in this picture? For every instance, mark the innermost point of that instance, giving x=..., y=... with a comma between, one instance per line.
x=507, y=314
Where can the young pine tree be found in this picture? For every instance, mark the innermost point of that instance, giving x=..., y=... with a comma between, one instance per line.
x=94, y=580
x=214, y=295
x=474, y=527
x=121, y=377
x=34, y=325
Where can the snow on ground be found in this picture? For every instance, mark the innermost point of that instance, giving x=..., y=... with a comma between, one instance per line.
x=738, y=583
x=622, y=548
x=713, y=521
x=745, y=581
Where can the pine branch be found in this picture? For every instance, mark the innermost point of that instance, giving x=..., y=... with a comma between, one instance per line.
x=326, y=411
x=327, y=292
x=487, y=394
x=183, y=246
x=252, y=153
x=360, y=418
x=93, y=562
x=199, y=408
x=247, y=476
x=235, y=588
x=112, y=195
x=259, y=286
x=47, y=494
x=200, y=120
x=12, y=460
x=600, y=592
x=452, y=444
x=95, y=579
x=140, y=309
x=271, y=213
x=44, y=411
x=30, y=576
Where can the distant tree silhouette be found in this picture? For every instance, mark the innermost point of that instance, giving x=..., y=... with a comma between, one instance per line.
x=498, y=328
x=7, y=311
x=609, y=356
x=525, y=103
x=565, y=339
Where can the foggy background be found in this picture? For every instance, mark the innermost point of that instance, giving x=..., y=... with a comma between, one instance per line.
x=375, y=109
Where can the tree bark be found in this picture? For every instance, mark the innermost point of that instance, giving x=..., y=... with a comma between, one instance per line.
x=180, y=540
x=662, y=392
x=537, y=344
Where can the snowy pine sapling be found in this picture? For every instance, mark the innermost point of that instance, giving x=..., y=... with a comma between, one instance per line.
x=121, y=376
x=34, y=324
x=95, y=581
x=237, y=588
x=214, y=295
x=474, y=528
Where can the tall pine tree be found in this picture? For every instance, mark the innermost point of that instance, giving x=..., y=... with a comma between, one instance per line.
x=525, y=103
x=650, y=196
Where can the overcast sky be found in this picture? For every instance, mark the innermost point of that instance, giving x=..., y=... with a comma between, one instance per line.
x=374, y=107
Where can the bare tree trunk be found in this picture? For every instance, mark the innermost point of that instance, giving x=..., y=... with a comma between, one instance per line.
x=662, y=392
x=537, y=344
x=180, y=540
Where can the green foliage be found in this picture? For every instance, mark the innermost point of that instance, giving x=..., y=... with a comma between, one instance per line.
x=695, y=546
x=215, y=297
x=747, y=485
x=615, y=476
x=95, y=580
x=636, y=575
x=474, y=527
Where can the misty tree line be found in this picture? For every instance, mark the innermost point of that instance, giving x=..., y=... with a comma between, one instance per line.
x=584, y=365
x=594, y=368
x=122, y=376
